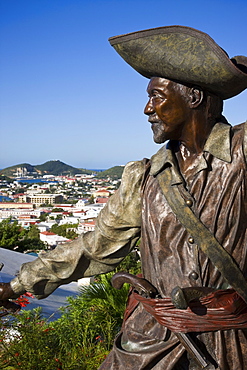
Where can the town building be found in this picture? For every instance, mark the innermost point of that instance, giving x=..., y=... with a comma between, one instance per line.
x=39, y=199
x=52, y=239
x=83, y=227
x=20, y=212
x=13, y=205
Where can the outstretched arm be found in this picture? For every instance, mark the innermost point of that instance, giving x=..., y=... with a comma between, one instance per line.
x=116, y=233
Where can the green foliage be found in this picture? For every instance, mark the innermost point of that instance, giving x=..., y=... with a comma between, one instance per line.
x=91, y=199
x=33, y=232
x=102, y=294
x=57, y=209
x=131, y=263
x=19, y=190
x=65, y=230
x=10, y=234
x=14, y=237
x=43, y=217
x=27, y=329
x=31, y=240
x=70, y=201
x=51, y=167
x=33, y=343
x=56, y=168
x=114, y=173
x=51, y=190
x=60, y=168
x=9, y=171
x=79, y=340
x=5, y=178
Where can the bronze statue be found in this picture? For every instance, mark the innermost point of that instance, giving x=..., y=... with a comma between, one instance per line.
x=188, y=205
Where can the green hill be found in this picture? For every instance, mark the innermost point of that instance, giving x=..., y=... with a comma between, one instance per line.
x=55, y=167
x=113, y=173
x=11, y=171
x=5, y=178
x=58, y=168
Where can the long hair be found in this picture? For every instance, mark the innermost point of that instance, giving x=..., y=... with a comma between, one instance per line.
x=214, y=108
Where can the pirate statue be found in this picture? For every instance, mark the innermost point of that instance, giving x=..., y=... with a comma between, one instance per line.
x=188, y=205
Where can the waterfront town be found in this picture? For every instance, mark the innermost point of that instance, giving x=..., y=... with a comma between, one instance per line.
x=55, y=200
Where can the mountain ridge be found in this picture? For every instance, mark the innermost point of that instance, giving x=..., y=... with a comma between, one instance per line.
x=56, y=168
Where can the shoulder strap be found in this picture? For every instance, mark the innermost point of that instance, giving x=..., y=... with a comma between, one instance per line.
x=202, y=236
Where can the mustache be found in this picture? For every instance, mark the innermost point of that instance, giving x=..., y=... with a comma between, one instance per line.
x=154, y=120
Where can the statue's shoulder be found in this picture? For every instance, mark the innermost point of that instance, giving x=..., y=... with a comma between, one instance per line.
x=134, y=171
x=135, y=167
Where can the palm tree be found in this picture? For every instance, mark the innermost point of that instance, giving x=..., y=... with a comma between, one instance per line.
x=107, y=306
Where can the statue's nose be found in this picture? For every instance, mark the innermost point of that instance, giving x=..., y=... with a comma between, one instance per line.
x=148, y=108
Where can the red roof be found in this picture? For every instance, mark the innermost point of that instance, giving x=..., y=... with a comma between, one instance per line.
x=18, y=203
x=92, y=223
x=47, y=233
x=102, y=200
x=63, y=206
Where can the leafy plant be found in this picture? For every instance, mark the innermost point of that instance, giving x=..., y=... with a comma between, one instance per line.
x=10, y=234
x=15, y=237
x=79, y=340
x=65, y=230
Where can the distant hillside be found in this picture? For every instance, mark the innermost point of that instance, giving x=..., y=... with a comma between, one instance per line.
x=11, y=171
x=5, y=178
x=57, y=168
x=48, y=168
x=114, y=173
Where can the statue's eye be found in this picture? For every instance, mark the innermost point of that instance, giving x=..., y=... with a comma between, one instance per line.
x=156, y=94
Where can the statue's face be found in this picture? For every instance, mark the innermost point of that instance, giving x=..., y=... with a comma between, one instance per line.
x=167, y=109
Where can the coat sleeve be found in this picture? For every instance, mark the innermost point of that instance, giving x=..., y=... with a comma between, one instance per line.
x=116, y=233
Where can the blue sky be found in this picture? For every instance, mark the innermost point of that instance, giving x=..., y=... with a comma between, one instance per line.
x=65, y=93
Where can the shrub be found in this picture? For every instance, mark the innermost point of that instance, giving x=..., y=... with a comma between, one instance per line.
x=79, y=340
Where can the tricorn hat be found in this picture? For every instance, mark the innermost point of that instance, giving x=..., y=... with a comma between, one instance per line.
x=185, y=55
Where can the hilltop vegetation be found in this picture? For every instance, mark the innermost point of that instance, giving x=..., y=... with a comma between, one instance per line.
x=5, y=178
x=55, y=168
x=58, y=168
x=10, y=171
x=114, y=172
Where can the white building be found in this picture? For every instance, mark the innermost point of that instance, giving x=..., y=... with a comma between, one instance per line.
x=6, y=213
x=69, y=220
x=81, y=203
x=84, y=227
x=45, y=226
x=52, y=239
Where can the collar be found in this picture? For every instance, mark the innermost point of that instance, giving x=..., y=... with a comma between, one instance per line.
x=217, y=144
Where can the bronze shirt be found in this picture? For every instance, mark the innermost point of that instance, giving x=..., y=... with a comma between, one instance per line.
x=171, y=258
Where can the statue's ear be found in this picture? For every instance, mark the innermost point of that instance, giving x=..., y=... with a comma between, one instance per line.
x=196, y=97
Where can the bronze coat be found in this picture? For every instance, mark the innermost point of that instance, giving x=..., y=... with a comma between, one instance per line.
x=169, y=258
